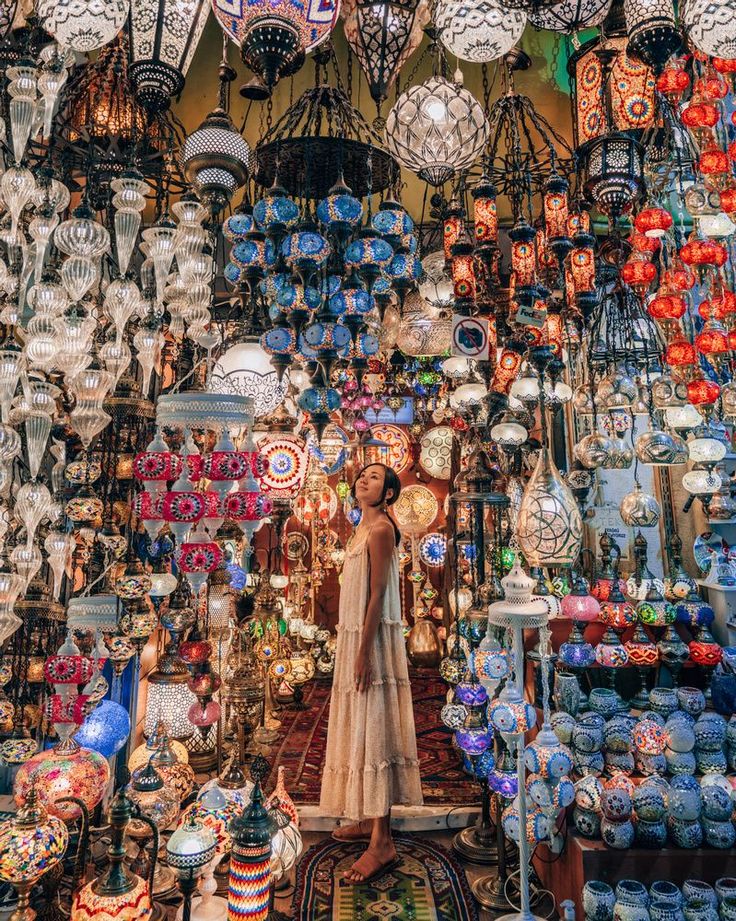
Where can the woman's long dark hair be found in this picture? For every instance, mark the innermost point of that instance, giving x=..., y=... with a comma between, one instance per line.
x=390, y=482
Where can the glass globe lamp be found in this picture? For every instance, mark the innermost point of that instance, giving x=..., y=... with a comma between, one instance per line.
x=66, y=770
x=105, y=730
x=436, y=129
x=480, y=31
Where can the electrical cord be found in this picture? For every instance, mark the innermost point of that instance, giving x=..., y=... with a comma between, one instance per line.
x=538, y=894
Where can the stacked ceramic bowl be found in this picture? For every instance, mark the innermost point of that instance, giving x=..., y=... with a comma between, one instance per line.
x=631, y=900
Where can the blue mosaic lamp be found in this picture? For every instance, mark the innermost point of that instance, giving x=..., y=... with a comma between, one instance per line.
x=276, y=213
x=298, y=303
x=340, y=212
x=237, y=226
x=319, y=403
x=254, y=255
x=404, y=270
x=271, y=285
x=306, y=251
x=392, y=222
x=280, y=344
x=369, y=255
x=232, y=273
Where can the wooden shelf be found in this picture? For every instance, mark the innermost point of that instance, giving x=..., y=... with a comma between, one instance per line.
x=583, y=860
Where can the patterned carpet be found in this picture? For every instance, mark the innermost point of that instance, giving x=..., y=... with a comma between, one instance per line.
x=427, y=885
x=303, y=739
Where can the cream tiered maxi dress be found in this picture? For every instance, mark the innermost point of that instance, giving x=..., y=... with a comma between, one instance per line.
x=371, y=761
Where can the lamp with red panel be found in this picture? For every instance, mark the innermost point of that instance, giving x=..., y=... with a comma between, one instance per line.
x=639, y=273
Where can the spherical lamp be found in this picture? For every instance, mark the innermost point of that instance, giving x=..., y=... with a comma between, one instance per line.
x=436, y=129
x=66, y=770
x=105, y=730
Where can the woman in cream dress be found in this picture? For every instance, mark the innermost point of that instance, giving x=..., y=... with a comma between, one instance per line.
x=371, y=762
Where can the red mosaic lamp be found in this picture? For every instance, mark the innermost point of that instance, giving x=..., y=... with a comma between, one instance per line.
x=653, y=222
x=707, y=654
x=702, y=392
x=715, y=166
x=643, y=656
x=638, y=273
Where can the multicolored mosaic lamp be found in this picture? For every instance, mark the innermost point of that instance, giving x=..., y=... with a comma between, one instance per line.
x=31, y=843
x=250, y=862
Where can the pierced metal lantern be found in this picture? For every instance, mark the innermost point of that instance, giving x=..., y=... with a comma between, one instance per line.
x=653, y=33
x=164, y=35
x=570, y=16
x=216, y=159
x=383, y=36
x=480, y=31
x=615, y=173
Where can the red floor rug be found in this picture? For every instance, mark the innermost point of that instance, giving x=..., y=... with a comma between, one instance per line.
x=303, y=739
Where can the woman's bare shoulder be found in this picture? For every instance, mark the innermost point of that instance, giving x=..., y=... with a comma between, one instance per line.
x=381, y=532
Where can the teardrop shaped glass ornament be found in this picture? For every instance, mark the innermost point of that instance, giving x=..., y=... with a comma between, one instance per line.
x=59, y=546
x=121, y=299
x=116, y=356
x=50, y=83
x=11, y=362
x=16, y=186
x=27, y=560
x=22, y=109
x=41, y=228
x=32, y=502
x=89, y=387
x=88, y=423
x=549, y=527
x=11, y=585
x=160, y=239
x=148, y=344
x=38, y=428
x=127, y=225
x=78, y=275
x=128, y=202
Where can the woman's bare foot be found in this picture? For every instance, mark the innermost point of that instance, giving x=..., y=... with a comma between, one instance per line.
x=357, y=832
x=372, y=862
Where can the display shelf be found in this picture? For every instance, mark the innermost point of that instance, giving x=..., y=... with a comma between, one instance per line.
x=582, y=860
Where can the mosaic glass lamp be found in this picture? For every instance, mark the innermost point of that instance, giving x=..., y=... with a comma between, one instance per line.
x=63, y=771
x=119, y=894
x=250, y=862
x=31, y=843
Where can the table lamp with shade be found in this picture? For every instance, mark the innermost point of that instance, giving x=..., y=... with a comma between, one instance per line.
x=118, y=894
x=189, y=850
